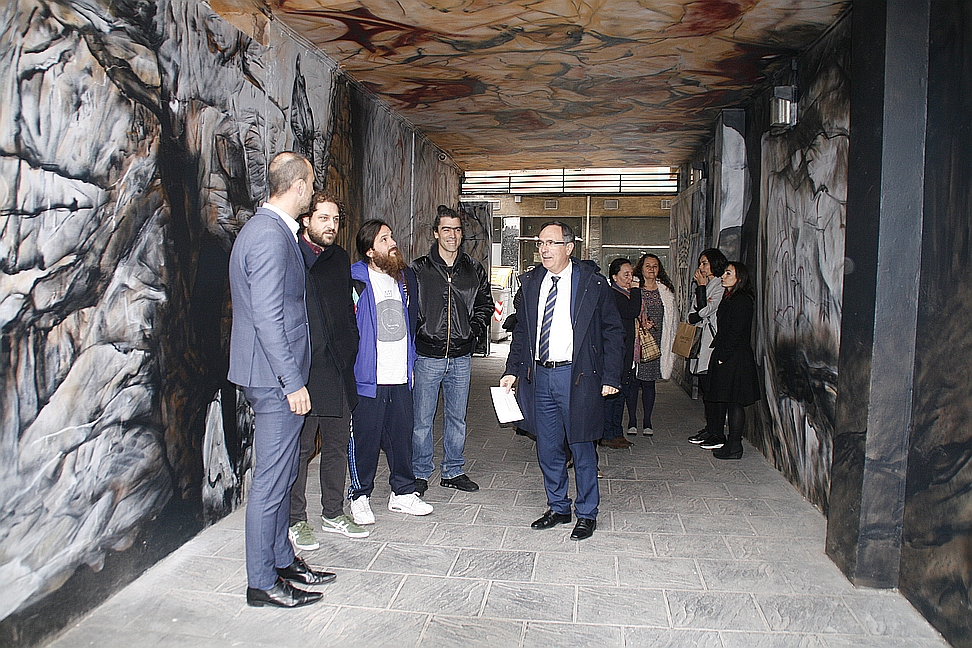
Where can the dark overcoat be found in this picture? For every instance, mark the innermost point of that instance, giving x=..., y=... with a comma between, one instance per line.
x=598, y=349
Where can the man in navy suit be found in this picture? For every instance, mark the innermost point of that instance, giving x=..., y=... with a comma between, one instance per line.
x=270, y=360
x=566, y=353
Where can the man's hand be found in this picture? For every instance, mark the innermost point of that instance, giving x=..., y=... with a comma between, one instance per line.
x=299, y=401
x=507, y=382
x=608, y=390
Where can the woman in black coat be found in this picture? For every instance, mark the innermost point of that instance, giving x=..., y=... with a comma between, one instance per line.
x=733, y=376
x=627, y=295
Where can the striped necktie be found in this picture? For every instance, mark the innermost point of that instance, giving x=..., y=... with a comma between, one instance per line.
x=548, y=313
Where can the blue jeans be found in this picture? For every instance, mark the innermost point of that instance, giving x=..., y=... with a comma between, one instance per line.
x=453, y=375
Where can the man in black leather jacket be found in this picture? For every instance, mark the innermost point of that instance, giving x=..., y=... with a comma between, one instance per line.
x=455, y=305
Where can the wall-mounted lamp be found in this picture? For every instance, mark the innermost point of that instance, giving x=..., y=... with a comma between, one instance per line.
x=783, y=107
x=698, y=169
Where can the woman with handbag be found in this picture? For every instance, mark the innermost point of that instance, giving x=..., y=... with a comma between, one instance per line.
x=733, y=376
x=654, y=333
x=627, y=296
x=708, y=296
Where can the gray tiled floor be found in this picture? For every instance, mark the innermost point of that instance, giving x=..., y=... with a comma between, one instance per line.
x=689, y=551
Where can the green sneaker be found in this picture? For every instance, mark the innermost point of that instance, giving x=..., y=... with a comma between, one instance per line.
x=302, y=535
x=344, y=525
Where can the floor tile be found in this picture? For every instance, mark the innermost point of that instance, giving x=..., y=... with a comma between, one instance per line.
x=495, y=565
x=548, y=635
x=449, y=596
x=530, y=602
x=623, y=606
x=714, y=611
x=689, y=551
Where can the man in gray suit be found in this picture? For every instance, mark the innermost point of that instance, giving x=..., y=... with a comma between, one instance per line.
x=270, y=360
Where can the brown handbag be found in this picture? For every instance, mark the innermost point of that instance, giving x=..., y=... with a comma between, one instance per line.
x=649, y=347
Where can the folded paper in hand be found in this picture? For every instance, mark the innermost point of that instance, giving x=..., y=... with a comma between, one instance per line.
x=504, y=402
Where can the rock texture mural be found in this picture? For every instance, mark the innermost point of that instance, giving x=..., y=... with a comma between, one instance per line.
x=134, y=139
x=936, y=552
x=511, y=84
x=789, y=230
x=803, y=195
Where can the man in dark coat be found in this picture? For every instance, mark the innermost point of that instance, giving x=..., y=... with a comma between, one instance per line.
x=566, y=353
x=334, y=347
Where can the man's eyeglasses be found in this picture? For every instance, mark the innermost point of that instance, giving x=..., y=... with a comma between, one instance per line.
x=543, y=244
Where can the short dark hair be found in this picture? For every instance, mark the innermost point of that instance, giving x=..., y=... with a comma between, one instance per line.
x=364, y=240
x=616, y=266
x=717, y=260
x=286, y=169
x=444, y=212
x=325, y=196
x=565, y=229
x=744, y=284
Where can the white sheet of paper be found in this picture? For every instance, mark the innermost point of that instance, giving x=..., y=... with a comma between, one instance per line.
x=504, y=402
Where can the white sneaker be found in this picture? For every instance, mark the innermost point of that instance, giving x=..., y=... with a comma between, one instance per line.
x=648, y=432
x=361, y=510
x=411, y=504
x=632, y=431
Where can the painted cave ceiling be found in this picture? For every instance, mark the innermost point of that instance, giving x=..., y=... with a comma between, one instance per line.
x=527, y=84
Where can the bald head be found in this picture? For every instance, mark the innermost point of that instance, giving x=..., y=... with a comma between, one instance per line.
x=286, y=169
x=291, y=180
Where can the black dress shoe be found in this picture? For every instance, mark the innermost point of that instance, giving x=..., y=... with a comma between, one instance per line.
x=282, y=594
x=421, y=485
x=461, y=482
x=529, y=435
x=299, y=572
x=725, y=453
x=584, y=529
x=551, y=519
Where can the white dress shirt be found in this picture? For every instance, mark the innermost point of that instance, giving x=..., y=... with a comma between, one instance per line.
x=561, y=329
x=287, y=218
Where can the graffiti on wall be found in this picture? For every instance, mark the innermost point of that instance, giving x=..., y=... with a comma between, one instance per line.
x=801, y=260
x=134, y=142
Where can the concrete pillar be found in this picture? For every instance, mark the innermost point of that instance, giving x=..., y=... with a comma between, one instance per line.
x=880, y=301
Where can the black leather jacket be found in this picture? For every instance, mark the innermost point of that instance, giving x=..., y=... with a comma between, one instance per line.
x=454, y=305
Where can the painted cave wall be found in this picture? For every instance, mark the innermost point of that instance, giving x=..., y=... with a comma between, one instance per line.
x=936, y=550
x=775, y=199
x=797, y=249
x=134, y=139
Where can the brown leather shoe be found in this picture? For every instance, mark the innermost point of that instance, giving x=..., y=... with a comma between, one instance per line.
x=618, y=443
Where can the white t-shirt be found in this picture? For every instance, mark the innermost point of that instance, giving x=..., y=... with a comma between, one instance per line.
x=392, y=330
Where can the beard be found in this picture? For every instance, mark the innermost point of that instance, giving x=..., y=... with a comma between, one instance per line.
x=392, y=264
x=318, y=238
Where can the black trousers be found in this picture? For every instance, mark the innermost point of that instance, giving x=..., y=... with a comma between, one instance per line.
x=334, y=433
x=383, y=423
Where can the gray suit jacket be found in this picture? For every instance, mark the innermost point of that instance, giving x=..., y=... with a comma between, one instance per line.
x=270, y=344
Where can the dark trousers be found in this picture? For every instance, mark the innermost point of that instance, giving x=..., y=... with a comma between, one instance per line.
x=276, y=432
x=614, y=410
x=552, y=414
x=334, y=433
x=737, y=421
x=382, y=423
x=647, y=401
x=715, y=413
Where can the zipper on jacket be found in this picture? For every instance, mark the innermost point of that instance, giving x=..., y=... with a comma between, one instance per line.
x=448, y=313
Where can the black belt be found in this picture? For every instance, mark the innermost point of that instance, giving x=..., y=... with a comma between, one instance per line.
x=550, y=364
